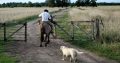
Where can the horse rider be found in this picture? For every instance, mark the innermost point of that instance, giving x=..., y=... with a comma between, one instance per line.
x=46, y=18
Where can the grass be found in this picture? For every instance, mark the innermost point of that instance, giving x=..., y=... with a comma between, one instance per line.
x=63, y=21
x=108, y=50
x=10, y=14
x=111, y=35
x=21, y=21
x=5, y=58
x=110, y=16
x=11, y=24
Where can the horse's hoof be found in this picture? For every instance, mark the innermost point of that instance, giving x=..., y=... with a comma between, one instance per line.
x=44, y=40
x=48, y=43
x=41, y=46
x=45, y=45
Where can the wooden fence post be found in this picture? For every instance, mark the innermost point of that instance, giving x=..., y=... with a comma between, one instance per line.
x=5, y=39
x=25, y=31
x=97, y=30
x=55, y=31
x=93, y=30
x=72, y=30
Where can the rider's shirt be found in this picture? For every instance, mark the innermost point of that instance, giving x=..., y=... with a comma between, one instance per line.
x=45, y=16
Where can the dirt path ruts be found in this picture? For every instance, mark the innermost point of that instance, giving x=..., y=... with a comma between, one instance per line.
x=30, y=52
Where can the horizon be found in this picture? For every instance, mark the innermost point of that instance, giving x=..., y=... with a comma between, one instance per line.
x=33, y=1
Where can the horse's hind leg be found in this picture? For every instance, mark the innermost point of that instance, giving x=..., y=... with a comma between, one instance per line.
x=48, y=39
x=42, y=38
x=45, y=38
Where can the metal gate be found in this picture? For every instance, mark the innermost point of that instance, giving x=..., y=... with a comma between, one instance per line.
x=8, y=30
x=78, y=29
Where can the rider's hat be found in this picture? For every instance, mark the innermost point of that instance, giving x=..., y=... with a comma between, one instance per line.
x=46, y=10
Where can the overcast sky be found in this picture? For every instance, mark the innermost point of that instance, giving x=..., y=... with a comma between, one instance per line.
x=4, y=1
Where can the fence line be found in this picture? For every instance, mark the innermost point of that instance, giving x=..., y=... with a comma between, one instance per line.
x=72, y=36
x=73, y=25
x=4, y=25
x=95, y=28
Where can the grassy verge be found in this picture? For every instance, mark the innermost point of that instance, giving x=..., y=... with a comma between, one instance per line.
x=5, y=58
x=63, y=21
x=111, y=51
x=21, y=21
x=11, y=25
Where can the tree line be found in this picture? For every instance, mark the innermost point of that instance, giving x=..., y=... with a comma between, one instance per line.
x=20, y=4
x=107, y=4
x=51, y=3
x=65, y=3
x=57, y=3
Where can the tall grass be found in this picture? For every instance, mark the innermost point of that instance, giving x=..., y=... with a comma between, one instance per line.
x=13, y=17
x=63, y=21
x=111, y=31
x=110, y=16
x=10, y=14
x=108, y=50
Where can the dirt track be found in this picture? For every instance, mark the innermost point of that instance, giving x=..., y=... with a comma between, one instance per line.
x=30, y=52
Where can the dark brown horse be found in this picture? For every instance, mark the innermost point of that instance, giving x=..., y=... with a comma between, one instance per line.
x=46, y=29
x=45, y=33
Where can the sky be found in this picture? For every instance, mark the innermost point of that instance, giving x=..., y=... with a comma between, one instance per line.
x=5, y=1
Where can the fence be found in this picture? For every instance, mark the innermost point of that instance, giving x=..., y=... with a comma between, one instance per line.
x=94, y=25
x=76, y=25
x=7, y=34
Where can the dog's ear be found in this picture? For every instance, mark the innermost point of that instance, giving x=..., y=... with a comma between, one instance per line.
x=62, y=47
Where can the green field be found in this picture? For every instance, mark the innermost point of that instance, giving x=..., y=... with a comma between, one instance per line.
x=110, y=33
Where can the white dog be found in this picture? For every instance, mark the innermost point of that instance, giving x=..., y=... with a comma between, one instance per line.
x=70, y=52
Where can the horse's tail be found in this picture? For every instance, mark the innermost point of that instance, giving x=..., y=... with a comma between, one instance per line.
x=47, y=28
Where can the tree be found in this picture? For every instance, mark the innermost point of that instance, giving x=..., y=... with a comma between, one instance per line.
x=72, y=4
x=93, y=3
x=30, y=4
x=4, y=5
x=50, y=3
x=36, y=4
x=65, y=3
x=0, y=5
x=80, y=3
x=87, y=2
x=58, y=3
x=77, y=3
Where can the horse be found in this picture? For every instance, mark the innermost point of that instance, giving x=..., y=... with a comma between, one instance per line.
x=46, y=29
x=45, y=33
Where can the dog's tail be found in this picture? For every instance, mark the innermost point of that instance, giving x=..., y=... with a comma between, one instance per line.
x=79, y=52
